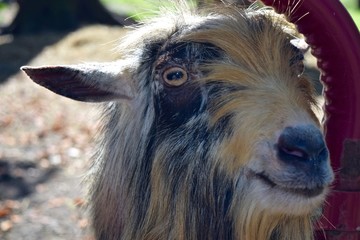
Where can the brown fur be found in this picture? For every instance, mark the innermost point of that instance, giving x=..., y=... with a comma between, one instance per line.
x=188, y=162
x=263, y=68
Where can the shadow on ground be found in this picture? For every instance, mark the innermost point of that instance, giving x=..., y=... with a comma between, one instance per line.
x=18, y=51
x=18, y=179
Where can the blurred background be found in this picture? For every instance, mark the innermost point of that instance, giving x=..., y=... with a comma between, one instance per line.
x=46, y=140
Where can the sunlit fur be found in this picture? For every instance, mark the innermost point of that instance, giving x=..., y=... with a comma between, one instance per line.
x=192, y=180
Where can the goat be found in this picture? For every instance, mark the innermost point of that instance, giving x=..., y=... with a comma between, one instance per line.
x=209, y=130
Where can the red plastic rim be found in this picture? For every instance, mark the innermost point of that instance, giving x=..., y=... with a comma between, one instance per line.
x=335, y=42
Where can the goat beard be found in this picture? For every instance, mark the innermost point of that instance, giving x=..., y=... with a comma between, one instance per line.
x=252, y=221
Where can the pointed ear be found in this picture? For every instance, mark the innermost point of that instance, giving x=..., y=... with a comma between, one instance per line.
x=95, y=82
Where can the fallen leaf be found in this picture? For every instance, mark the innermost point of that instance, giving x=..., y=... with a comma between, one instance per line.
x=56, y=202
x=79, y=202
x=6, y=226
x=4, y=212
x=83, y=223
x=6, y=121
x=16, y=218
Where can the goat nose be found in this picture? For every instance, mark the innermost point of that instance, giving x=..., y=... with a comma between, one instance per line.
x=302, y=144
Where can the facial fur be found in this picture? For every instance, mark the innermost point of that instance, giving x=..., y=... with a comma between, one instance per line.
x=214, y=136
x=217, y=139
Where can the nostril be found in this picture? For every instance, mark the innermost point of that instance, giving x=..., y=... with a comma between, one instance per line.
x=292, y=151
x=289, y=148
x=301, y=143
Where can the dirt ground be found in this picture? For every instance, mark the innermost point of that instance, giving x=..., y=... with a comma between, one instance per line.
x=46, y=140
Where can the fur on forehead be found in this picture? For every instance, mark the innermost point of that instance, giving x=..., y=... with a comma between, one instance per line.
x=221, y=26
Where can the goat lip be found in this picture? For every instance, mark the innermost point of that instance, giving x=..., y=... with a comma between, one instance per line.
x=305, y=192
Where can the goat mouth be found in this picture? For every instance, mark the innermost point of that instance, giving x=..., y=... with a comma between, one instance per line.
x=304, y=192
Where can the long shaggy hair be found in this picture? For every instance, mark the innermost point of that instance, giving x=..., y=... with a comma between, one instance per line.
x=199, y=138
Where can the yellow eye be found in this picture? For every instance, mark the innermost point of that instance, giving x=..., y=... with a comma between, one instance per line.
x=175, y=76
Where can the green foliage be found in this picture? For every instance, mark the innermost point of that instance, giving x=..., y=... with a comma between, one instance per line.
x=2, y=5
x=139, y=9
x=353, y=9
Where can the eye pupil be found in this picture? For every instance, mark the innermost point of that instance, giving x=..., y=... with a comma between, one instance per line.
x=175, y=76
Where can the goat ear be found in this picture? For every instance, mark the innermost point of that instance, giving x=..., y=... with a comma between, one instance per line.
x=300, y=44
x=95, y=82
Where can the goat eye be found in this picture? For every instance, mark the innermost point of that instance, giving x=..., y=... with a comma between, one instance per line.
x=175, y=76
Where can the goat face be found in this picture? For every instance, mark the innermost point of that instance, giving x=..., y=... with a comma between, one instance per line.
x=227, y=115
